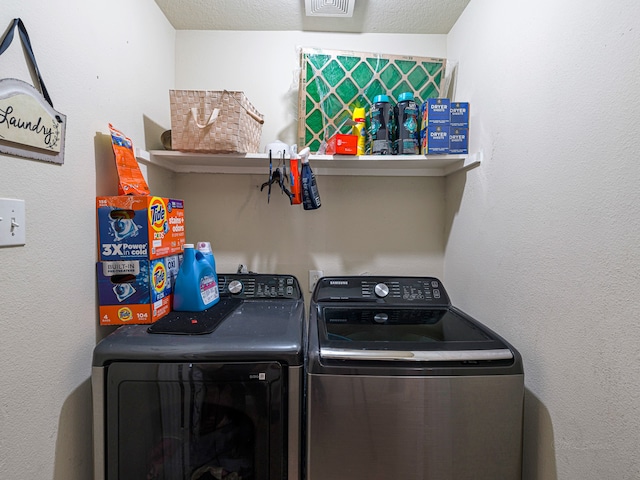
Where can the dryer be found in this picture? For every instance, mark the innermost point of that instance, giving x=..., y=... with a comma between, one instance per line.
x=202, y=395
x=402, y=384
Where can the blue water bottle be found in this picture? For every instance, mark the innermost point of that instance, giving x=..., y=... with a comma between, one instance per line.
x=196, y=287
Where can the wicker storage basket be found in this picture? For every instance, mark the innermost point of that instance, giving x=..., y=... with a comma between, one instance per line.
x=214, y=122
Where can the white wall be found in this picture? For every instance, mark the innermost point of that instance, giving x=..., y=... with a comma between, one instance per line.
x=102, y=62
x=549, y=221
x=265, y=65
x=370, y=225
x=544, y=245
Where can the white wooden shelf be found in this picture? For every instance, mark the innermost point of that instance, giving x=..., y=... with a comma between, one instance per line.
x=367, y=165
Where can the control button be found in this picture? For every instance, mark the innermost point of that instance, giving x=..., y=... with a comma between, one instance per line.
x=380, y=317
x=235, y=286
x=436, y=294
x=381, y=290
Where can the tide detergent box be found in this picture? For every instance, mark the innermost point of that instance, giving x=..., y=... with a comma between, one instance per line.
x=138, y=227
x=134, y=291
x=458, y=140
x=173, y=263
x=459, y=114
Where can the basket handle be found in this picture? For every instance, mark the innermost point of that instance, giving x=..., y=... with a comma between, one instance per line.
x=255, y=117
x=249, y=112
x=212, y=118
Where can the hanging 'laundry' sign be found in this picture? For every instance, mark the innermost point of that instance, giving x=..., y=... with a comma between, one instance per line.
x=29, y=125
x=26, y=120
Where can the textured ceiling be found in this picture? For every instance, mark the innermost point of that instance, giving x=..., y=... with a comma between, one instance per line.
x=369, y=16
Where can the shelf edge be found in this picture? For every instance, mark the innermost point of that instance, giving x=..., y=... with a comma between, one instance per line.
x=256, y=163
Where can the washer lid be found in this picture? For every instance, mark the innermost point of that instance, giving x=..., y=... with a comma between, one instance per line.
x=406, y=334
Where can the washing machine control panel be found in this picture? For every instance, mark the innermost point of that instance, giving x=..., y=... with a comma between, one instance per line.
x=259, y=286
x=388, y=290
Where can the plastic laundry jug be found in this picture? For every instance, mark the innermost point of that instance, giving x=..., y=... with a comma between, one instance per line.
x=205, y=249
x=196, y=287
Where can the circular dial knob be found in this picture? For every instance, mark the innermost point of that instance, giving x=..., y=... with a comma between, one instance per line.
x=235, y=286
x=381, y=290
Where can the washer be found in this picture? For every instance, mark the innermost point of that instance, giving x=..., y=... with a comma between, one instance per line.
x=401, y=384
x=207, y=394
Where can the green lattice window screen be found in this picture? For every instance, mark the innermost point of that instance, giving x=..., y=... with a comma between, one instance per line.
x=333, y=82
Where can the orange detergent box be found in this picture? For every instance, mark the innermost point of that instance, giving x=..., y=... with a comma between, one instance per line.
x=135, y=291
x=342, y=144
x=139, y=227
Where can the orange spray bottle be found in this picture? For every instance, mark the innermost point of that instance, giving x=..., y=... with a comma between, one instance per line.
x=294, y=174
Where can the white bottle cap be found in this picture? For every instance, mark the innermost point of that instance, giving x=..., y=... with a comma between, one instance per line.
x=204, y=246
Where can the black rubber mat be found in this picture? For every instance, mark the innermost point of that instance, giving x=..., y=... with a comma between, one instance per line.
x=196, y=323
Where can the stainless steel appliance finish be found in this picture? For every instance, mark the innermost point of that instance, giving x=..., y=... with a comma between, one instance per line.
x=154, y=411
x=401, y=384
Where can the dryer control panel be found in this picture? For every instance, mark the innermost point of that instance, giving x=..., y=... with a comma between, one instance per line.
x=413, y=291
x=259, y=286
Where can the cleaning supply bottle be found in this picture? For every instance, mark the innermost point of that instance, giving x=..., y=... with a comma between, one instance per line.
x=196, y=288
x=359, y=129
x=408, y=137
x=382, y=126
x=310, y=194
x=205, y=249
x=294, y=175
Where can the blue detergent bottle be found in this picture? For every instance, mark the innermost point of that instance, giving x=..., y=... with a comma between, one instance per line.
x=196, y=287
x=205, y=249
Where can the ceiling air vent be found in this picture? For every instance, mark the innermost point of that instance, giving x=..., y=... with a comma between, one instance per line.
x=329, y=8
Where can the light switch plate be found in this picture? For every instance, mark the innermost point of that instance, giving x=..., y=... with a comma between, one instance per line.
x=12, y=222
